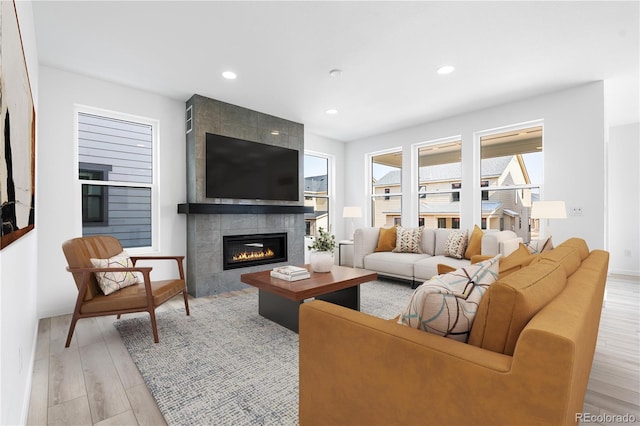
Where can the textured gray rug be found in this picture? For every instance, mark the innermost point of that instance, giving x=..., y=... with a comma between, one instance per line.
x=225, y=364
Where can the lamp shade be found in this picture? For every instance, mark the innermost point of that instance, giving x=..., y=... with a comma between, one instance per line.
x=352, y=211
x=548, y=210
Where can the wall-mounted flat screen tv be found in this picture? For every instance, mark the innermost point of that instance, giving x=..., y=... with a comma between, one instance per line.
x=241, y=169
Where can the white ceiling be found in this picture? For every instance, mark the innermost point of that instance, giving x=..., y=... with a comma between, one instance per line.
x=388, y=52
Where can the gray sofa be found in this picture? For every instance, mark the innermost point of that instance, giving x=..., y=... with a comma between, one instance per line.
x=421, y=267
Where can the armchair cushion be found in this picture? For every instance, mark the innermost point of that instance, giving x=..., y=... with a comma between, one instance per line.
x=111, y=281
x=446, y=304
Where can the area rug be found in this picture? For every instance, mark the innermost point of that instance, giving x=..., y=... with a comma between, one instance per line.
x=225, y=364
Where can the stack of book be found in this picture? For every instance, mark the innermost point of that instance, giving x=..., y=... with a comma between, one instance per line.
x=290, y=273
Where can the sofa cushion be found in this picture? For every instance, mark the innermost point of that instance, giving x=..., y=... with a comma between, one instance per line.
x=442, y=234
x=386, y=239
x=579, y=244
x=426, y=268
x=408, y=240
x=446, y=304
x=568, y=257
x=456, y=244
x=475, y=243
x=385, y=262
x=511, y=302
x=113, y=281
x=428, y=241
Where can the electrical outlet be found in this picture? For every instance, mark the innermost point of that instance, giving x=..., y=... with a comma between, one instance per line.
x=575, y=211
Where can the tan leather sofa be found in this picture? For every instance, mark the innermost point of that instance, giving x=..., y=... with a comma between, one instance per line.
x=527, y=361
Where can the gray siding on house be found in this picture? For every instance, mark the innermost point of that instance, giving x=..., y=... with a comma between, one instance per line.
x=114, y=151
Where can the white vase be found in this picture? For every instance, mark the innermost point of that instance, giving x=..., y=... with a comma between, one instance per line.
x=321, y=261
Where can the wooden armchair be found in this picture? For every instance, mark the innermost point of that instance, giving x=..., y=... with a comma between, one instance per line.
x=139, y=297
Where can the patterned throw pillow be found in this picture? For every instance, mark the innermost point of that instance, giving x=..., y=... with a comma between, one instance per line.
x=113, y=281
x=539, y=246
x=408, y=240
x=456, y=244
x=447, y=304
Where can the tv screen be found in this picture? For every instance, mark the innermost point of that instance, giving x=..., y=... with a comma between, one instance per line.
x=238, y=168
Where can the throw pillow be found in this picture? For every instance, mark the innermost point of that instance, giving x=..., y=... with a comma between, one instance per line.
x=456, y=244
x=408, y=240
x=539, y=246
x=475, y=243
x=387, y=239
x=515, y=261
x=115, y=280
x=446, y=304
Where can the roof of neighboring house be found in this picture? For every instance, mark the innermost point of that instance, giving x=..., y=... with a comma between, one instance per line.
x=315, y=183
x=454, y=207
x=452, y=171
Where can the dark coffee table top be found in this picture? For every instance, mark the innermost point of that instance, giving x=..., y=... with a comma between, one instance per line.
x=319, y=283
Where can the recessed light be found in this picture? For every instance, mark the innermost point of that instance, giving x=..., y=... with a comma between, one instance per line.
x=331, y=111
x=446, y=69
x=335, y=73
x=229, y=75
x=275, y=132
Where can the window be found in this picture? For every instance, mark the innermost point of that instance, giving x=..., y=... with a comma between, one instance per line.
x=386, y=189
x=115, y=169
x=316, y=193
x=511, y=167
x=439, y=183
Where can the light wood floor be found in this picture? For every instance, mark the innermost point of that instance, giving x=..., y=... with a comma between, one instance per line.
x=95, y=382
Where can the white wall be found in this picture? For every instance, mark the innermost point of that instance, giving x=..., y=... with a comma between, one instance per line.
x=574, y=152
x=59, y=191
x=624, y=199
x=18, y=280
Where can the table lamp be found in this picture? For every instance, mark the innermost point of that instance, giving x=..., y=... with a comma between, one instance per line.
x=548, y=210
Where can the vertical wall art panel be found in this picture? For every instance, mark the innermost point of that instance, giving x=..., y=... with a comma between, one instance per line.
x=17, y=118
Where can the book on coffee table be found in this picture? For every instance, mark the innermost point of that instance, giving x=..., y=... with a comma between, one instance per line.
x=290, y=270
x=286, y=277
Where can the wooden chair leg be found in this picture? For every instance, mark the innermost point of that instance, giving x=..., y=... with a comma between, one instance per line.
x=152, y=314
x=118, y=317
x=72, y=327
x=186, y=301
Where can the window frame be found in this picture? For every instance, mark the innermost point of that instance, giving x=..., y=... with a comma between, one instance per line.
x=419, y=191
x=387, y=195
x=478, y=178
x=155, y=161
x=330, y=197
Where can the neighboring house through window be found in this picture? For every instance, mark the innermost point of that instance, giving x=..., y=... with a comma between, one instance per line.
x=316, y=193
x=386, y=188
x=116, y=172
x=439, y=182
x=511, y=167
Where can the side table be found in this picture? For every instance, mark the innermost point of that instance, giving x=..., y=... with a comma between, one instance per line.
x=340, y=244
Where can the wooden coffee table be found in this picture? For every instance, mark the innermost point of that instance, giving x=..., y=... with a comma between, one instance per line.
x=280, y=300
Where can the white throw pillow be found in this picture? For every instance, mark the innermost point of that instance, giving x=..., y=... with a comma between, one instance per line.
x=113, y=281
x=447, y=304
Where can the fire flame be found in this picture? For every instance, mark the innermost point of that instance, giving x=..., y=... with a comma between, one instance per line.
x=253, y=255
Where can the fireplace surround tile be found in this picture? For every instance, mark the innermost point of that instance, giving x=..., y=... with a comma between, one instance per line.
x=205, y=273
